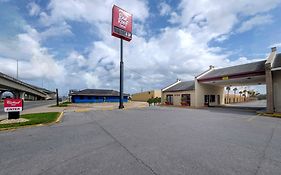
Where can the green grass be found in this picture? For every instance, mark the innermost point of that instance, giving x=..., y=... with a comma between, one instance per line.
x=34, y=119
x=63, y=104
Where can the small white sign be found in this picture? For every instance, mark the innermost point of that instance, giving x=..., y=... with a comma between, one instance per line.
x=12, y=109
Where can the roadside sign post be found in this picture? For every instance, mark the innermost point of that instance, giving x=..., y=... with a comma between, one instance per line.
x=57, y=92
x=121, y=106
x=121, y=28
x=13, y=107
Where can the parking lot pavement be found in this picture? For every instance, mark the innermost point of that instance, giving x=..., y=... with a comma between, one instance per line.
x=154, y=140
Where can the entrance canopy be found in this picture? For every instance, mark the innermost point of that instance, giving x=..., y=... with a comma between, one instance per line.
x=245, y=74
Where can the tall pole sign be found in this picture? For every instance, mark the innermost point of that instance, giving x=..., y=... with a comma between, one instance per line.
x=121, y=28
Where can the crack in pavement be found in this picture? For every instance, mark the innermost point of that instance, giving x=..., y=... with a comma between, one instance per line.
x=265, y=148
x=127, y=150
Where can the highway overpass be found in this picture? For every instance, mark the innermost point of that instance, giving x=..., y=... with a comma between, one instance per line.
x=23, y=90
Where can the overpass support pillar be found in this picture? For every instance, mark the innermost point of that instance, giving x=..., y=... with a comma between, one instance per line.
x=21, y=95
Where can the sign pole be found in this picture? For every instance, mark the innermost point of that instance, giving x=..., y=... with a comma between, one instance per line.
x=57, y=92
x=121, y=106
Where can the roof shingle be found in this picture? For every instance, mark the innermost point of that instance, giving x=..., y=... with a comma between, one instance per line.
x=234, y=70
x=182, y=86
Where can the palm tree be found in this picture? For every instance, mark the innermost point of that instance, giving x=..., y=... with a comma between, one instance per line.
x=228, y=89
x=240, y=92
x=234, y=90
x=244, y=94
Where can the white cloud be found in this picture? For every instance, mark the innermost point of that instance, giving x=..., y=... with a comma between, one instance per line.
x=255, y=21
x=34, y=9
x=92, y=11
x=275, y=45
x=62, y=29
x=34, y=60
x=164, y=9
x=218, y=16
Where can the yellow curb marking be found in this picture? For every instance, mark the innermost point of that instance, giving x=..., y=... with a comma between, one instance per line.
x=82, y=110
x=60, y=117
x=252, y=118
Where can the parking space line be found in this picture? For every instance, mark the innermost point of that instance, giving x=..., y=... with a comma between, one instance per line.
x=252, y=118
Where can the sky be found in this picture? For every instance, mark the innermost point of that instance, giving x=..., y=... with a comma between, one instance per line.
x=67, y=44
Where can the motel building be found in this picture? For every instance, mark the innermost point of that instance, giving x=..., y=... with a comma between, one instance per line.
x=96, y=96
x=207, y=89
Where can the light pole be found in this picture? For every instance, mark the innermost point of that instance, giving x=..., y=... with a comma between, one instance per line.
x=17, y=69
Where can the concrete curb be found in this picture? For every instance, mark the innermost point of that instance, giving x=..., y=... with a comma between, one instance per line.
x=274, y=115
x=60, y=117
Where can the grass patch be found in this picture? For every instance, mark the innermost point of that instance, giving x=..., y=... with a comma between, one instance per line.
x=63, y=104
x=34, y=119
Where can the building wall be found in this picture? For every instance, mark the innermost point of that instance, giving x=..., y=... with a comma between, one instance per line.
x=204, y=89
x=277, y=90
x=96, y=99
x=144, y=96
x=177, y=97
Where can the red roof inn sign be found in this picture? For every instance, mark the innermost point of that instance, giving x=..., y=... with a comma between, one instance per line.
x=12, y=105
x=121, y=23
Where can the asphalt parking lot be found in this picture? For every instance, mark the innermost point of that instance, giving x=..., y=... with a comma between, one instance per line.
x=156, y=141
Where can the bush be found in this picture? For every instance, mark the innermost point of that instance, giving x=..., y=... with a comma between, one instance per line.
x=156, y=100
x=150, y=101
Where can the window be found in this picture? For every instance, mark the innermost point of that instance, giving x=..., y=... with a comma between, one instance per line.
x=212, y=98
x=81, y=97
x=185, y=99
x=169, y=99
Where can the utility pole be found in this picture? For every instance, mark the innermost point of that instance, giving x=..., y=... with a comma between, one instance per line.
x=17, y=69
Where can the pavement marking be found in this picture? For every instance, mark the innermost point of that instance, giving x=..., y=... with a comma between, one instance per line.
x=60, y=117
x=82, y=110
x=252, y=118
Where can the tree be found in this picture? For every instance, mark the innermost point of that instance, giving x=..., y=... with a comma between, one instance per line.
x=244, y=94
x=150, y=101
x=240, y=92
x=228, y=89
x=158, y=100
x=234, y=90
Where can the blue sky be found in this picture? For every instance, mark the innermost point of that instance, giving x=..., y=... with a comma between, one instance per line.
x=68, y=44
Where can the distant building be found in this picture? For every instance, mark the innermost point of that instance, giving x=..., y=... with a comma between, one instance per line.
x=179, y=93
x=144, y=96
x=96, y=96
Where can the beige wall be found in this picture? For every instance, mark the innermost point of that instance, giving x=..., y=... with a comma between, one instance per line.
x=177, y=97
x=277, y=90
x=205, y=89
x=144, y=96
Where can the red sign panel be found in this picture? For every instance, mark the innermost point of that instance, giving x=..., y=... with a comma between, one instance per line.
x=12, y=105
x=121, y=23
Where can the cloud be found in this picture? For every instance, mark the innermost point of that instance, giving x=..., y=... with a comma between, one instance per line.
x=34, y=9
x=275, y=45
x=255, y=21
x=92, y=11
x=164, y=9
x=208, y=19
x=34, y=60
x=62, y=29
